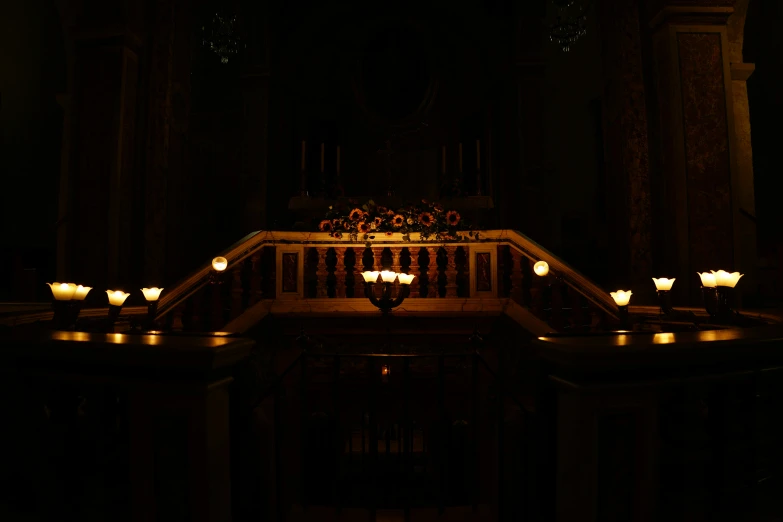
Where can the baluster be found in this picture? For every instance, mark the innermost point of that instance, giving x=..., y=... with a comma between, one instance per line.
x=451, y=271
x=415, y=269
x=464, y=274
x=503, y=275
x=577, y=312
x=255, y=279
x=358, y=268
x=322, y=273
x=216, y=313
x=432, y=272
x=396, y=265
x=537, y=291
x=557, y=303
x=176, y=318
x=339, y=272
x=236, y=291
x=517, y=277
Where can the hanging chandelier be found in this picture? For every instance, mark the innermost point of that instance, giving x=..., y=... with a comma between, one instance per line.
x=570, y=22
x=220, y=36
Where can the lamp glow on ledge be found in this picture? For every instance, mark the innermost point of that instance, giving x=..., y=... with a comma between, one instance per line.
x=219, y=264
x=62, y=291
x=151, y=295
x=621, y=299
x=116, y=300
x=726, y=279
x=541, y=268
x=386, y=302
x=663, y=284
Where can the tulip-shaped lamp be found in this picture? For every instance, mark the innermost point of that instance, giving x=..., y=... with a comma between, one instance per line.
x=709, y=293
x=664, y=286
x=219, y=265
x=151, y=295
x=621, y=299
x=62, y=294
x=116, y=300
x=725, y=283
x=77, y=301
x=386, y=302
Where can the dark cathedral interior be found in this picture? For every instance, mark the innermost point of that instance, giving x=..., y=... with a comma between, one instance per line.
x=479, y=261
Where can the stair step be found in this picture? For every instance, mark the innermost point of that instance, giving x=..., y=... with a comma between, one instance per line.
x=451, y=514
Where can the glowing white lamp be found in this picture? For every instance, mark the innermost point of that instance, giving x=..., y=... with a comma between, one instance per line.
x=81, y=292
x=621, y=297
x=151, y=294
x=388, y=276
x=663, y=284
x=541, y=268
x=406, y=279
x=62, y=291
x=707, y=280
x=370, y=277
x=219, y=263
x=117, y=297
x=723, y=278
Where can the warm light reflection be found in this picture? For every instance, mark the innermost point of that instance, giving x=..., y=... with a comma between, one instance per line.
x=117, y=338
x=81, y=292
x=388, y=276
x=117, y=297
x=707, y=279
x=219, y=263
x=623, y=340
x=370, y=277
x=62, y=291
x=385, y=370
x=71, y=336
x=541, y=268
x=723, y=278
x=151, y=294
x=406, y=279
x=663, y=338
x=621, y=297
x=663, y=283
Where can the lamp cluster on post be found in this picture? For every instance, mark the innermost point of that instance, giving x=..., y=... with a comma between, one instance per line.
x=664, y=285
x=67, y=300
x=386, y=302
x=621, y=299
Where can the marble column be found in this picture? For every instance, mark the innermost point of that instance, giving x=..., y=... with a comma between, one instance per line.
x=102, y=151
x=527, y=205
x=168, y=109
x=626, y=144
x=702, y=186
x=255, y=92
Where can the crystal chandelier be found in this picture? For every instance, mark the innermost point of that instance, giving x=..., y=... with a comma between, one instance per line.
x=220, y=36
x=570, y=22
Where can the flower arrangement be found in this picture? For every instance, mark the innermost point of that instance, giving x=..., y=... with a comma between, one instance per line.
x=429, y=219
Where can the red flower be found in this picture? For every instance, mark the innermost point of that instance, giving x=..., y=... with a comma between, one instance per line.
x=363, y=227
x=356, y=214
x=426, y=219
x=452, y=218
x=325, y=226
x=398, y=220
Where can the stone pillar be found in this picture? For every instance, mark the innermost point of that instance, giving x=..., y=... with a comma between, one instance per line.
x=627, y=155
x=523, y=194
x=698, y=146
x=166, y=188
x=747, y=249
x=102, y=143
x=255, y=92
